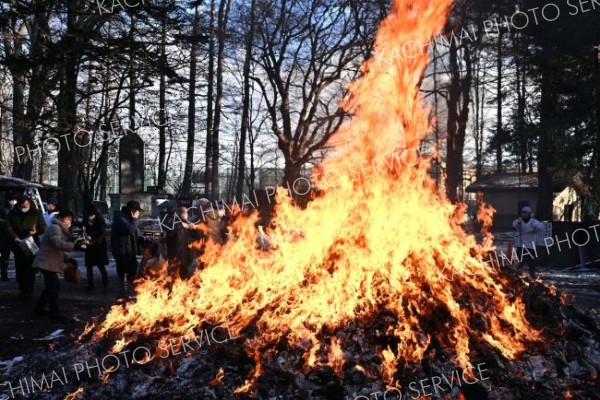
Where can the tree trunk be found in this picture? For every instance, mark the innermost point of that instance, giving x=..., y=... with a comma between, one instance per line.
x=479, y=120
x=162, y=136
x=68, y=160
x=224, y=9
x=545, y=195
x=436, y=110
x=458, y=116
x=521, y=137
x=191, y=134
x=291, y=173
x=22, y=164
x=3, y=169
x=499, y=129
x=208, y=172
x=241, y=174
x=103, y=159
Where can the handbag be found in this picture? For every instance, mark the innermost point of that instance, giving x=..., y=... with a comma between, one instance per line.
x=72, y=273
x=29, y=247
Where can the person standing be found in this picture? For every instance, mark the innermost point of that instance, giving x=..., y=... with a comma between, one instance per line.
x=212, y=220
x=23, y=222
x=181, y=257
x=5, y=243
x=527, y=228
x=51, y=261
x=96, y=253
x=52, y=211
x=126, y=239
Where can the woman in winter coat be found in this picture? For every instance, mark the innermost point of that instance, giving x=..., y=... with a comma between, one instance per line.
x=51, y=261
x=96, y=252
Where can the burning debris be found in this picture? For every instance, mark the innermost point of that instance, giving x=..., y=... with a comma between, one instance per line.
x=563, y=363
x=347, y=302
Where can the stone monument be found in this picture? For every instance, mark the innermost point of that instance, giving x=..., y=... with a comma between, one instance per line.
x=131, y=175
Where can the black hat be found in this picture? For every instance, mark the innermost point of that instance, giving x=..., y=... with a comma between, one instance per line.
x=23, y=198
x=52, y=200
x=91, y=210
x=133, y=205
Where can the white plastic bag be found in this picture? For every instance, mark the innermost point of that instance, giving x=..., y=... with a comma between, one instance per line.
x=29, y=247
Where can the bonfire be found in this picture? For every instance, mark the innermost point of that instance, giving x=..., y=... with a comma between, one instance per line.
x=374, y=285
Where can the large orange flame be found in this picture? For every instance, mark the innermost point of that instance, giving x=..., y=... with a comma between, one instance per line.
x=383, y=243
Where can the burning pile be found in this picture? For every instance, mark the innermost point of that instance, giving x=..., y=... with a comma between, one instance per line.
x=367, y=247
x=360, y=270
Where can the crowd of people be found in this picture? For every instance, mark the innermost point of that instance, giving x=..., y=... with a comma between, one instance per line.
x=42, y=243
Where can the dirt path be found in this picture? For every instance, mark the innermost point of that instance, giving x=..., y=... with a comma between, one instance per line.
x=19, y=327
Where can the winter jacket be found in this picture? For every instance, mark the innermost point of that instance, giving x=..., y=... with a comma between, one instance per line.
x=125, y=236
x=18, y=224
x=97, y=251
x=527, y=232
x=51, y=256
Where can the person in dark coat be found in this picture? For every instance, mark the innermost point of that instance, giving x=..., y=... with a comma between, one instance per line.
x=5, y=243
x=126, y=239
x=96, y=253
x=24, y=221
x=51, y=261
x=181, y=257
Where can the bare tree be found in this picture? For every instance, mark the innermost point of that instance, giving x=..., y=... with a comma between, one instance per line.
x=222, y=21
x=246, y=102
x=191, y=132
x=305, y=49
x=208, y=171
x=26, y=34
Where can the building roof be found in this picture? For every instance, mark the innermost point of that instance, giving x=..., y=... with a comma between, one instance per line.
x=512, y=182
x=11, y=183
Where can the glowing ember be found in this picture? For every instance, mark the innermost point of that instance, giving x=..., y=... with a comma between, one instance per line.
x=75, y=394
x=365, y=247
